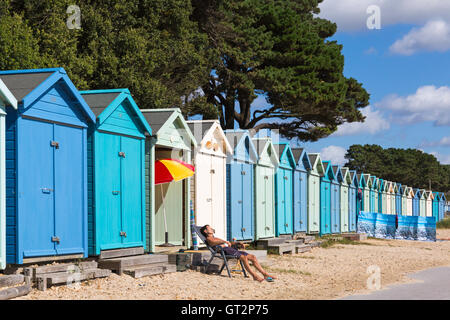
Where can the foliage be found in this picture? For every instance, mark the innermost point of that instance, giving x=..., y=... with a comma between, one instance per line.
x=278, y=50
x=410, y=167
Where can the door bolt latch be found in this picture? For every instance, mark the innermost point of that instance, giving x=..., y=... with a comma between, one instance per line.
x=56, y=239
x=54, y=144
x=243, y=173
x=122, y=154
x=123, y=234
x=243, y=230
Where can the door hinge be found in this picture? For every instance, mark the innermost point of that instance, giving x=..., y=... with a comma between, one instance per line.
x=54, y=144
x=56, y=239
x=122, y=154
x=123, y=234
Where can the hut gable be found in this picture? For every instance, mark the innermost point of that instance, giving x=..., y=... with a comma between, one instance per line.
x=346, y=176
x=354, y=179
x=170, y=128
x=242, y=145
x=7, y=99
x=337, y=173
x=210, y=137
x=47, y=94
x=328, y=175
x=285, y=155
x=267, y=154
x=316, y=164
x=117, y=112
x=301, y=159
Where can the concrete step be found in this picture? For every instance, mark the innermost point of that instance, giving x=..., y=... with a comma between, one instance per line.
x=282, y=248
x=150, y=270
x=355, y=236
x=265, y=243
x=117, y=253
x=119, y=264
x=303, y=248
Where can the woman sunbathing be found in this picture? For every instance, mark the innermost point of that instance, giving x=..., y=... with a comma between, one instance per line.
x=208, y=233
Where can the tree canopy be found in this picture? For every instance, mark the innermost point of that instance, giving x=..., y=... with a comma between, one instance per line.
x=208, y=57
x=410, y=167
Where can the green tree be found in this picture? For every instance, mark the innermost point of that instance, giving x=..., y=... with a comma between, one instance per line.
x=410, y=167
x=277, y=49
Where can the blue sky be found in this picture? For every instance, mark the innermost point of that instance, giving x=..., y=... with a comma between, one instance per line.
x=404, y=65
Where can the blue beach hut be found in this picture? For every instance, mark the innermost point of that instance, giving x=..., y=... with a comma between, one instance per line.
x=284, y=204
x=336, y=199
x=46, y=167
x=325, y=198
x=240, y=185
x=116, y=167
x=300, y=180
x=352, y=201
x=416, y=203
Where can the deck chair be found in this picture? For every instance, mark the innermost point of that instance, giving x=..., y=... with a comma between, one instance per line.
x=217, y=252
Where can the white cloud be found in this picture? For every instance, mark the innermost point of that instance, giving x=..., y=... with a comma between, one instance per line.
x=442, y=158
x=434, y=36
x=444, y=142
x=374, y=123
x=429, y=103
x=334, y=154
x=351, y=15
x=371, y=51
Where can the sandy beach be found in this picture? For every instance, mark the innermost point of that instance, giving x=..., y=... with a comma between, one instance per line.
x=323, y=273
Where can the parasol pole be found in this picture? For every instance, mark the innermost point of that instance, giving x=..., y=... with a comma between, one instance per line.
x=166, y=234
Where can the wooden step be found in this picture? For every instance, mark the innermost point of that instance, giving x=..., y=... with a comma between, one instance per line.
x=117, y=253
x=11, y=280
x=150, y=270
x=45, y=281
x=33, y=272
x=265, y=243
x=303, y=248
x=307, y=239
x=15, y=292
x=119, y=264
x=286, y=236
x=315, y=244
x=296, y=242
x=282, y=248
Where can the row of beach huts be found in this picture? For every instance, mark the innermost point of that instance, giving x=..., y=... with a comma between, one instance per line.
x=77, y=172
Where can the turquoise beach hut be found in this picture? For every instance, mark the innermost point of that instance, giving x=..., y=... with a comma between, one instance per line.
x=325, y=198
x=116, y=171
x=436, y=200
x=283, y=189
